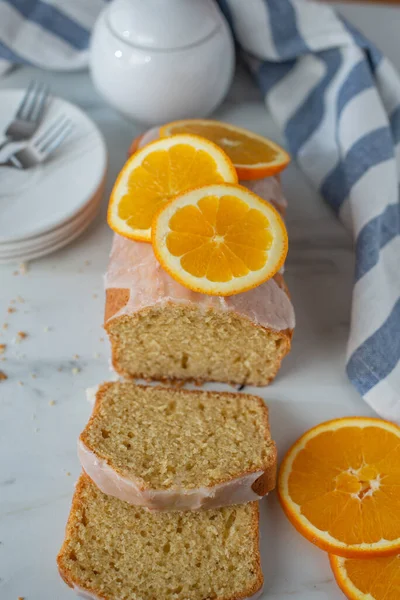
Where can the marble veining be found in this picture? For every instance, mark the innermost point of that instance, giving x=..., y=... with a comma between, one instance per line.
x=43, y=405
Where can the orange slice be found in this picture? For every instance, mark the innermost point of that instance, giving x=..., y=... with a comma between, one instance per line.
x=156, y=173
x=339, y=485
x=219, y=239
x=368, y=578
x=254, y=156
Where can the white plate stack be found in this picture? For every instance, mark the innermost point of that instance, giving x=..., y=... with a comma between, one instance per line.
x=46, y=207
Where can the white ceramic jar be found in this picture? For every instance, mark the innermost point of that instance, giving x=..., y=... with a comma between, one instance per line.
x=160, y=60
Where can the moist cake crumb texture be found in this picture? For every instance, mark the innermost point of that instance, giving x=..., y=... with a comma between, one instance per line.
x=121, y=552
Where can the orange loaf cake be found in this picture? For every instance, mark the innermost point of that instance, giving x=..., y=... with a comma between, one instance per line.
x=160, y=330
x=172, y=449
x=115, y=551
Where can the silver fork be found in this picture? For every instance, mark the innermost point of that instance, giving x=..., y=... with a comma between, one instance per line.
x=40, y=148
x=29, y=114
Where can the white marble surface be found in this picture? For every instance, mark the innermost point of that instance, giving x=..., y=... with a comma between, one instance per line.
x=63, y=293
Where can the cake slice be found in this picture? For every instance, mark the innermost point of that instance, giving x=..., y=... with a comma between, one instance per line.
x=161, y=330
x=171, y=449
x=115, y=551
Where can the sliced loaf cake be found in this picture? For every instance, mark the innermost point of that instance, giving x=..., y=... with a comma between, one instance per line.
x=171, y=449
x=114, y=551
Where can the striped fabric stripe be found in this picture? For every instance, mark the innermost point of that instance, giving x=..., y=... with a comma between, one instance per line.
x=54, y=20
x=310, y=114
x=367, y=152
x=336, y=99
x=9, y=55
x=384, y=347
x=359, y=79
x=374, y=236
x=288, y=42
x=43, y=32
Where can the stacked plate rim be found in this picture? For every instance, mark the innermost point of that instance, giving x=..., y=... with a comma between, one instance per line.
x=47, y=207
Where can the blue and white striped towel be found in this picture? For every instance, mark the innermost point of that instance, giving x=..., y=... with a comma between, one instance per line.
x=336, y=99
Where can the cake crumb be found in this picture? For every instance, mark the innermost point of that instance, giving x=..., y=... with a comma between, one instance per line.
x=96, y=355
x=12, y=301
x=21, y=335
x=3, y=376
x=33, y=375
x=20, y=300
x=75, y=371
x=5, y=325
x=52, y=403
x=75, y=356
x=102, y=339
x=95, y=296
x=15, y=272
x=59, y=369
x=2, y=358
x=68, y=474
x=11, y=310
x=23, y=268
x=87, y=262
x=20, y=383
x=21, y=598
x=3, y=348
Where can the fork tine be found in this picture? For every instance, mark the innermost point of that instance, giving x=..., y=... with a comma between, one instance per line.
x=58, y=139
x=39, y=102
x=49, y=131
x=25, y=99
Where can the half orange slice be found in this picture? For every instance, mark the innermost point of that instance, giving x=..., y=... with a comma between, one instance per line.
x=368, y=578
x=339, y=486
x=254, y=156
x=219, y=239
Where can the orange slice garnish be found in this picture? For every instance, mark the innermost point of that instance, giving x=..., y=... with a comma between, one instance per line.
x=368, y=578
x=339, y=485
x=254, y=156
x=157, y=173
x=219, y=239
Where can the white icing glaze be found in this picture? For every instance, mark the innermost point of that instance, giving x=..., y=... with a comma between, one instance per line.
x=91, y=394
x=133, y=266
x=236, y=491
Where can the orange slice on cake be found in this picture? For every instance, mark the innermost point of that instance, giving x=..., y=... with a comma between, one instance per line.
x=254, y=156
x=339, y=485
x=157, y=173
x=368, y=578
x=219, y=239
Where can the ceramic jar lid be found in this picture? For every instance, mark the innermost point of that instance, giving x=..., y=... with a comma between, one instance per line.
x=163, y=24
